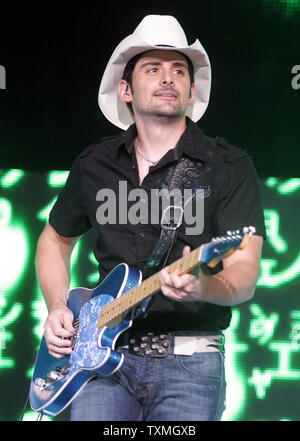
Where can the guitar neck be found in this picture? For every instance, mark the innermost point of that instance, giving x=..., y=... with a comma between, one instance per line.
x=210, y=253
x=150, y=286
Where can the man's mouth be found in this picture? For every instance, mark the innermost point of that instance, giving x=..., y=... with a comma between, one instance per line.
x=165, y=94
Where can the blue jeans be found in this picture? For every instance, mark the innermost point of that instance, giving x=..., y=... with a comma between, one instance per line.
x=175, y=388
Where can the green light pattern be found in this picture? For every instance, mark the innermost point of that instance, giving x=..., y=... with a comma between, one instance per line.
x=32, y=416
x=271, y=273
x=93, y=277
x=43, y=214
x=270, y=278
x=285, y=187
x=57, y=178
x=262, y=327
x=271, y=182
x=13, y=260
x=289, y=186
x=295, y=326
x=11, y=178
x=261, y=380
x=288, y=8
x=12, y=238
x=272, y=222
x=6, y=336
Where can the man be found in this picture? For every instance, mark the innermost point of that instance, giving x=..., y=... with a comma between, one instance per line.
x=162, y=85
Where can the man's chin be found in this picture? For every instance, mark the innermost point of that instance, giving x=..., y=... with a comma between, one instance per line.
x=167, y=113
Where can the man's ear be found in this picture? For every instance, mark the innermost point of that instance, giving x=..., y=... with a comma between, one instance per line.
x=192, y=94
x=125, y=92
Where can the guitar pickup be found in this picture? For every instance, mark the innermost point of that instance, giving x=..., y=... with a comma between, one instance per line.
x=52, y=376
x=41, y=383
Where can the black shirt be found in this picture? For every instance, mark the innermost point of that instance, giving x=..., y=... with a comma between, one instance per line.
x=101, y=181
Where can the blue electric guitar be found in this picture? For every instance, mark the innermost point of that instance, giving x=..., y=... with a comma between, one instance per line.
x=100, y=316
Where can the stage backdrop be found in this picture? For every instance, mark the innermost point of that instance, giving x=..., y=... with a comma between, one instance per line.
x=262, y=343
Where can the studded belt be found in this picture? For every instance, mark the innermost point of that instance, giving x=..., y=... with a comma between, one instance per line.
x=161, y=345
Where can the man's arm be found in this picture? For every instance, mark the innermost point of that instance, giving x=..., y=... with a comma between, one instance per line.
x=233, y=285
x=53, y=271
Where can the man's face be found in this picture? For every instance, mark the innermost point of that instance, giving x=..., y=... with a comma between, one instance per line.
x=161, y=85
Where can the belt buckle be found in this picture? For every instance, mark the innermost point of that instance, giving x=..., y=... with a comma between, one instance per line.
x=150, y=345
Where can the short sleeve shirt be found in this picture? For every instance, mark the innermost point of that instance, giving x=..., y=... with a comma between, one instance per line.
x=103, y=192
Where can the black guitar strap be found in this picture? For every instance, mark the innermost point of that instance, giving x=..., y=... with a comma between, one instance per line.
x=171, y=220
x=173, y=215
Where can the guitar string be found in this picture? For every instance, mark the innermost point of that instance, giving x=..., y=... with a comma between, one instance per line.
x=123, y=302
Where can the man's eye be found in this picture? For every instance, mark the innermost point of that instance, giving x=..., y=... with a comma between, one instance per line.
x=152, y=70
x=179, y=72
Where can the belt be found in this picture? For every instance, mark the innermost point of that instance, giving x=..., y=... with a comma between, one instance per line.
x=162, y=345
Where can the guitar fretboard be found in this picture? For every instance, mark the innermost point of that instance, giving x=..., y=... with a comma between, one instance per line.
x=141, y=292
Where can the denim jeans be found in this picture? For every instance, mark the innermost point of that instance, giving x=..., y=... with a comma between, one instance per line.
x=175, y=388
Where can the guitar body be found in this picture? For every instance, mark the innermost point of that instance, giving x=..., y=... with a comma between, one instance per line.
x=56, y=382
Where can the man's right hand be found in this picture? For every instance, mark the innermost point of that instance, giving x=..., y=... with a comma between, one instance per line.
x=58, y=330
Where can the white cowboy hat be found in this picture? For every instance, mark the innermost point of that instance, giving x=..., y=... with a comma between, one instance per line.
x=153, y=31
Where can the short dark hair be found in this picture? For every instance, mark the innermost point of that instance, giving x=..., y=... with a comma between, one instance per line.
x=129, y=68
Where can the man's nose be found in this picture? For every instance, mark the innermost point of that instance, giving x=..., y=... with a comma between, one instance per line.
x=168, y=82
x=167, y=78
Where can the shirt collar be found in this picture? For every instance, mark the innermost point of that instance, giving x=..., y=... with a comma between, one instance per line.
x=192, y=142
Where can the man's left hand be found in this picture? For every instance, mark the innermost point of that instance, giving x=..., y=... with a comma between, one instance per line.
x=183, y=288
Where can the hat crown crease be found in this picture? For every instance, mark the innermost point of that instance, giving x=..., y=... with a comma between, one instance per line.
x=160, y=30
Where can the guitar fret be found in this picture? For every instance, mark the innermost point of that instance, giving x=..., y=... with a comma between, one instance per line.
x=192, y=258
x=129, y=299
x=183, y=267
x=140, y=292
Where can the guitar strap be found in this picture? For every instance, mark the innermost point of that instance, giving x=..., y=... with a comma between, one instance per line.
x=170, y=222
x=173, y=215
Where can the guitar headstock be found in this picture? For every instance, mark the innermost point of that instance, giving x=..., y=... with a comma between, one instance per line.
x=221, y=247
